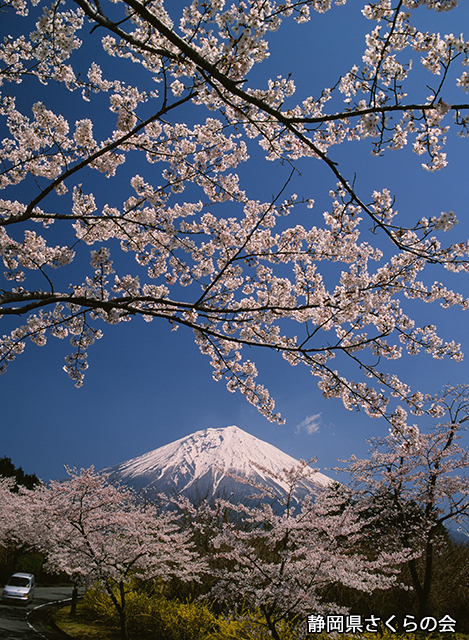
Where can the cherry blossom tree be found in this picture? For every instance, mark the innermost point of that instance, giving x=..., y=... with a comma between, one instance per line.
x=281, y=561
x=206, y=254
x=418, y=483
x=101, y=534
x=9, y=505
x=21, y=516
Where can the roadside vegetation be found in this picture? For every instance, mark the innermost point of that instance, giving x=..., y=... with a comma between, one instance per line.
x=164, y=619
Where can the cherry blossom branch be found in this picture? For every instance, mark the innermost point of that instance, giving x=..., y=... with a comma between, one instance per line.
x=111, y=146
x=234, y=88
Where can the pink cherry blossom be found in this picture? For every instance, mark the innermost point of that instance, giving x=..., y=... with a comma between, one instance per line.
x=204, y=253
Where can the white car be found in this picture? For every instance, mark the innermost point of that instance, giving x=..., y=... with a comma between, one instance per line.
x=20, y=588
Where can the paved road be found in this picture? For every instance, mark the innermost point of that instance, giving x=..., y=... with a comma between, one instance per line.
x=21, y=623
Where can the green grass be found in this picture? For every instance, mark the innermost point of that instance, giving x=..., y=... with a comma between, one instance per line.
x=82, y=626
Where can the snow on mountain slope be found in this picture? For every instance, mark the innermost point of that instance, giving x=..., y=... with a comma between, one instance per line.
x=198, y=464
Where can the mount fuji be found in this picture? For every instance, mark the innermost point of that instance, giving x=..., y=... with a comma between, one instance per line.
x=202, y=465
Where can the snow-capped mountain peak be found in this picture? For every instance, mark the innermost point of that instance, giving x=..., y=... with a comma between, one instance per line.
x=203, y=464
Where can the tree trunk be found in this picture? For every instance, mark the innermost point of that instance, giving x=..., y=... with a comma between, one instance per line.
x=14, y=561
x=123, y=623
x=122, y=612
x=120, y=607
x=424, y=596
x=270, y=623
x=73, y=606
x=423, y=586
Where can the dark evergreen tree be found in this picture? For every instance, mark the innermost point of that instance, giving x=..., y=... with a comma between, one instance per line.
x=8, y=470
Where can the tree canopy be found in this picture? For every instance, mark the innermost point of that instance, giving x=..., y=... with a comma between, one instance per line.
x=170, y=109
x=418, y=484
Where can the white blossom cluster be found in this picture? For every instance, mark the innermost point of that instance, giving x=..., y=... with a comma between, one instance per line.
x=282, y=559
x=205, y=254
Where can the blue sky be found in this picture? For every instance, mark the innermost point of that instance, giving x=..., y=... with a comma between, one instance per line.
x=147, y=386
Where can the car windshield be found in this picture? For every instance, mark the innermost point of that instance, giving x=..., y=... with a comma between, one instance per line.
x=18, y=581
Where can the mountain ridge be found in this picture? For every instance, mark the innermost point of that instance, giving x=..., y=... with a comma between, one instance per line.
x=203, y=464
